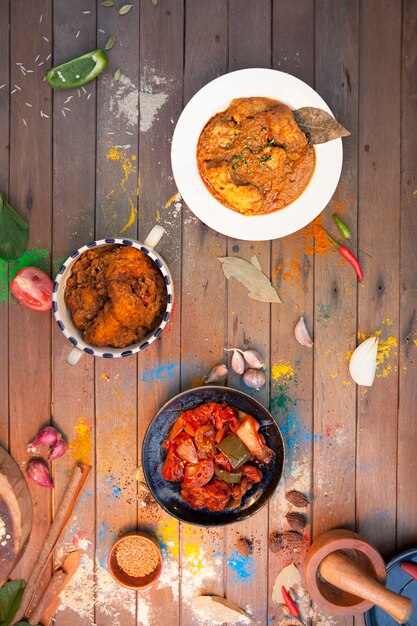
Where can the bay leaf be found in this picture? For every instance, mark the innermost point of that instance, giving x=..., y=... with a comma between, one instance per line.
x=125, y=9
x=255, y=262
x=218, y=610
x=251, y=277
x=319, y=126
x=288, y=577
x=110, y=42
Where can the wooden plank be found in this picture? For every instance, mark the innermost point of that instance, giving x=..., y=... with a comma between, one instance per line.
x=4, y=186
x=407, y=428
x=249, y=324
x=161, y=64
x=116, y=380
x=337, y=30
x=292, y=274
x=203, y=295
x=378, y=301
x=30, y=194
x=335, y=293
x=73, y=226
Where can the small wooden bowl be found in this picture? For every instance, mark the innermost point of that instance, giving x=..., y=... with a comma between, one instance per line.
x=132, y=582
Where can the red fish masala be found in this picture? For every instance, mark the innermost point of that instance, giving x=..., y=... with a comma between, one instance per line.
x=116, y=295
x=253, y=157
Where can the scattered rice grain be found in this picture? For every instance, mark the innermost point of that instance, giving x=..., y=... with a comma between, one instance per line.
x=41, y=63
x=45, y=39
x=41, y=18
x=24, y=121
x=28, y=104
x=84, y=89
x=89, y=96
x=3, y=85
x=86, y=12
x=48, y=57
x=13, y=91
x=63, y=113
x=37, y=58
x=77, y=34
x=19, y=88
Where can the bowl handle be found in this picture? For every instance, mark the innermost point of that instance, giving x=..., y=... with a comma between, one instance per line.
x=154, y=236
x=74, y=356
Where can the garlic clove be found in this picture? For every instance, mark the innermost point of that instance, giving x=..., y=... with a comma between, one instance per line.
x=217, y=375
x=253, y=359
x=238, y=362
x=46, y=437
x=362, y=364
x=254, y=378
x=58, y=449
x=302, y=335
x=38, y=472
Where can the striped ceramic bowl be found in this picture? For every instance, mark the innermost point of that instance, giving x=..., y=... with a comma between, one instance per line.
x=63, y=316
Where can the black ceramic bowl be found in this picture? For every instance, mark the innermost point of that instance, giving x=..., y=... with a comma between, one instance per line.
x=167, y=493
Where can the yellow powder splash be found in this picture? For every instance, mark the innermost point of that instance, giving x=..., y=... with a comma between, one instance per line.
x=128, y=164
x=167, y=532
x=82, y=446
x=174, y=198
x=282, y=370
x=195, y=557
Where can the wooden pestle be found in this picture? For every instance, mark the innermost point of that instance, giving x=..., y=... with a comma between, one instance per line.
x=342, y=572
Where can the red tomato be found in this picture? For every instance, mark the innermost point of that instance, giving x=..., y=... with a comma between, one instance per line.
x=199, y=474
x=32, y=288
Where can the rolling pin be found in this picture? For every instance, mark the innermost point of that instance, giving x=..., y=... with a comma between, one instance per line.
x=342, y=572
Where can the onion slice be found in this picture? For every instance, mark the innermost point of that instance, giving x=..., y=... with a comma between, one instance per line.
x=362, y=365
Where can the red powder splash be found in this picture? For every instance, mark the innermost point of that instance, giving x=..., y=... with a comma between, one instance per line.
x=79, y=536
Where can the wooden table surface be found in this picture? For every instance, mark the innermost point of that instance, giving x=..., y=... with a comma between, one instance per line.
x=83, y=164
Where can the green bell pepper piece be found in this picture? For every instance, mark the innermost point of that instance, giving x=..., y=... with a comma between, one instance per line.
x=235, y=450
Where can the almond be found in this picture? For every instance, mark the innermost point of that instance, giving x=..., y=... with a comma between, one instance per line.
x=296, y=521
x=298, y=499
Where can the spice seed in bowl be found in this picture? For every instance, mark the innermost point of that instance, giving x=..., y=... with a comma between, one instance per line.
x=137, y=557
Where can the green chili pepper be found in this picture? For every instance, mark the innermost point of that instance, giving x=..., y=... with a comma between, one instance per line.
x=77, y=72
x=235, y=450
x=228, y=477
x=344, y=228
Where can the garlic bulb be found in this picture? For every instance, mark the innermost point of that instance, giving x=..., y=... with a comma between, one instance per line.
x=302, y=335
x=254, y=379
x=362, y=365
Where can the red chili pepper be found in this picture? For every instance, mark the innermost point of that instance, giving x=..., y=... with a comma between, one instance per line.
x=347, y=254
x=410, y=569
x=291, y=605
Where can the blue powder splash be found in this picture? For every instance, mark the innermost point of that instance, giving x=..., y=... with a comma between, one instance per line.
x=241, y=569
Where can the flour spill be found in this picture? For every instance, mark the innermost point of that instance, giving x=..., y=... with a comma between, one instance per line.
x=124, y=101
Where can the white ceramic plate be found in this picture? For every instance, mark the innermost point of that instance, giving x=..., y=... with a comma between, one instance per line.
x=215, y=97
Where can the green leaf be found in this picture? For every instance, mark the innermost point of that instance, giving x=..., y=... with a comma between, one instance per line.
x=110, y=42
x=125, y=9
x=14, y=232
x=10, y=598
x=108, y=3
x=117, y=74
x=154, y=2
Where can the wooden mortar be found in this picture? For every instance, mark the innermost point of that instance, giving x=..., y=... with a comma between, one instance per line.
x=15, y=512
x=345, y=575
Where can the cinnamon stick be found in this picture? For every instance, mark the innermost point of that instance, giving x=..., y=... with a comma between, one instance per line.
x=54, y=584
x=76, y=483
x=69, y=566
